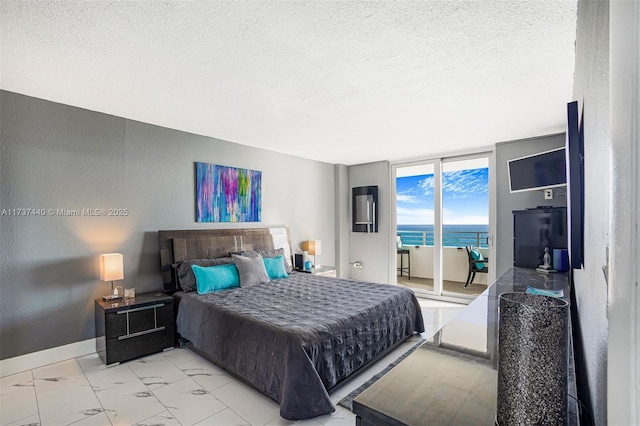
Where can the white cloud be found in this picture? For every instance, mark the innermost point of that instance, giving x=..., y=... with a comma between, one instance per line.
x=406, y=198
x=407, y=216
x=427, y=184
x=466, y=183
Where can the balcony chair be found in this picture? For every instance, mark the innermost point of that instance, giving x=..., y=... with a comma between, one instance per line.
x=402, y=251
x=477, y=263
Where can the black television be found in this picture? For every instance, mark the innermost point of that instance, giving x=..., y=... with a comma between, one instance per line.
x=538, y=171
x=575, y=188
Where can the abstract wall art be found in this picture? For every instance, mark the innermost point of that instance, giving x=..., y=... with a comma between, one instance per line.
x=228, y=194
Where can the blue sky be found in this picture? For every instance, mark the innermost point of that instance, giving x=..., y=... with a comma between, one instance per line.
x=465, y=198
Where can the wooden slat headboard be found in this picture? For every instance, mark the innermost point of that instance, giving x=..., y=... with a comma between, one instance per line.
x=176, y=246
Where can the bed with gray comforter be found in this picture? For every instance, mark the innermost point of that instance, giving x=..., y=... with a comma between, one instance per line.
x=297, y=338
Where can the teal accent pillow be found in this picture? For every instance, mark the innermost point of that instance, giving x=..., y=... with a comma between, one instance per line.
x=184, y=273
x=476, y=255
x=275, y=267
x=216, y=278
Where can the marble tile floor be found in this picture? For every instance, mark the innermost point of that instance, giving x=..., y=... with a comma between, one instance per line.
x=175, y=387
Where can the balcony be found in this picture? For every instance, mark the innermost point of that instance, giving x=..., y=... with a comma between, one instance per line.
x=454, y=261
x=449, y=238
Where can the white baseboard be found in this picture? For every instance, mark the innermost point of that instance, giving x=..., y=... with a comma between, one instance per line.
x=26, y=362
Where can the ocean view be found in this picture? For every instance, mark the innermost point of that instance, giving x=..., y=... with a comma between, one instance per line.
x=453, y=235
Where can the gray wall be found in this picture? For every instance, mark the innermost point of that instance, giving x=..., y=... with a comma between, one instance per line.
x=55, y=156
x=591, y=90
x=343, y=221
x=372, y=249
x=508, y=202
x=623, y=328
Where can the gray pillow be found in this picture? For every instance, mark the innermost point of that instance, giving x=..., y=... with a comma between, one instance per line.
x=251, y=269
x=270, y=253
x=184, y=273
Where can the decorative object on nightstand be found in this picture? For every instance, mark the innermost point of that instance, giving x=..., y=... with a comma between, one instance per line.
x=131, y=328
x=111, y=269
x=313, y=247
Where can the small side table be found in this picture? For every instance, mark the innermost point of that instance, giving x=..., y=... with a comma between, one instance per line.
x=131, y=328
x=326, y=271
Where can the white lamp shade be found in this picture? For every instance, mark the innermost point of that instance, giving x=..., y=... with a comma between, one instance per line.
x=313, y=247
x=111, y=267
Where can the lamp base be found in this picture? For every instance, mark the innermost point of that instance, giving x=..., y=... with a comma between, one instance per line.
x=111, y=297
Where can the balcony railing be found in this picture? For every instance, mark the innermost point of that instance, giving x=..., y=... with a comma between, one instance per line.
x=449, y=239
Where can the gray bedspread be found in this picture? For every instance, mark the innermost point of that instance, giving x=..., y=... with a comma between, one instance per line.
x=296, y=338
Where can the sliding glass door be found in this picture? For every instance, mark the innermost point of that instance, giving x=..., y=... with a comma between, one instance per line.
x=443, y=213
x=465, y=225
x=415, y=218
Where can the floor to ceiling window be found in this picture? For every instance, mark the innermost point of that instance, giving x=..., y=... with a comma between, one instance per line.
x=443, y=220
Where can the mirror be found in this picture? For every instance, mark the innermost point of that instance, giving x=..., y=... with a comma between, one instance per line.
x=364, y=209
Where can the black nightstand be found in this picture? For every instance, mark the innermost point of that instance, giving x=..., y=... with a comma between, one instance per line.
x=130, y=328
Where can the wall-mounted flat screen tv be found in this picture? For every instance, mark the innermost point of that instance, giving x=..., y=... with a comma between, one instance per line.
x=538, y=171
x=575, y=195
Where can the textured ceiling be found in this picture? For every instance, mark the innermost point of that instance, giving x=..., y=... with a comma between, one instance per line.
x=341, y=82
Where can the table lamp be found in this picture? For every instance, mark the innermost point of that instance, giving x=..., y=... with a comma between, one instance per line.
x=313, y=247
x=111, y=269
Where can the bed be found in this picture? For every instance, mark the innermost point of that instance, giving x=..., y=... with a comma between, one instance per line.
x=294, y=338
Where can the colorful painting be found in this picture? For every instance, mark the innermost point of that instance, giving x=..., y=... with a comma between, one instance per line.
x=228, y=194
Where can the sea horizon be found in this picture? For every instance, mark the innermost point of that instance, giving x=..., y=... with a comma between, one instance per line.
x=453, y=235
x=479, y=227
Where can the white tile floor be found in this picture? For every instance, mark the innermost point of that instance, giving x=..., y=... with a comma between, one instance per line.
x=175, y=387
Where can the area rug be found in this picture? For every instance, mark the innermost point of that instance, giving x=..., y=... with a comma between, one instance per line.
x=347, y=401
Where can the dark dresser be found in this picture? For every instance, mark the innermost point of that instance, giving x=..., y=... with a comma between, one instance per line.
x=131, y=328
